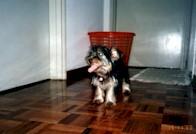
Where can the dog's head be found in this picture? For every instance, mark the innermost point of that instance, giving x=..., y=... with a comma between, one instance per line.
x=101, y=59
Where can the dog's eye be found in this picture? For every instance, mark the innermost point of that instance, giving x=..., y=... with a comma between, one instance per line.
x=100, y=54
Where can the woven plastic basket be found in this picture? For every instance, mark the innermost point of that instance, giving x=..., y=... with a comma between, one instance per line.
x=121, y=40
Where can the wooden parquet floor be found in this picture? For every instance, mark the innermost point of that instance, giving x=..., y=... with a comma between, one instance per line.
x=53, y=108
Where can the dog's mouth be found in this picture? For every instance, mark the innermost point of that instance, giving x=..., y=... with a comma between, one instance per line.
x=94, y=65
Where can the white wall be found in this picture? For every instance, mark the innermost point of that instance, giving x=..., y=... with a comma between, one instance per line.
x=82, y=16
x=24, y=42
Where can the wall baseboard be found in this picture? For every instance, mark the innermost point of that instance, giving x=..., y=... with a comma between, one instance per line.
x=76, y=75
x=135, y=67
x=11, y=90
x=81, y=73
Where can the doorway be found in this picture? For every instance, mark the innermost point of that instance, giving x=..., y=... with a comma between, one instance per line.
x=162, y=29
x=162, y=35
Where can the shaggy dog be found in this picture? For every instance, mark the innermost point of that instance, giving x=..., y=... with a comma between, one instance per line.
x=109, y=74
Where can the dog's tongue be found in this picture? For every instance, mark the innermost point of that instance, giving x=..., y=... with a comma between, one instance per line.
x=93, y=67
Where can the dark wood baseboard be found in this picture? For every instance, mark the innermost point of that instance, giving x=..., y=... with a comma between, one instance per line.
x=134, y=67
x=11, y=90
x=76, y=75
x=81, y=73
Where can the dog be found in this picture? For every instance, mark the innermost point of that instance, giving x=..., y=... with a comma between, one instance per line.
x=109, y=74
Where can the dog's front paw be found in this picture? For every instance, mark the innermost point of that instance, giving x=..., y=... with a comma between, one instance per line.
x=110, y=104
x=127, y=92
x=98, y=101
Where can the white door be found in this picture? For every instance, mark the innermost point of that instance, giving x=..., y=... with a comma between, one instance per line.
x=161, y=27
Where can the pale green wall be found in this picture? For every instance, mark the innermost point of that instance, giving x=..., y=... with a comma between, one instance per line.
x=162, y=31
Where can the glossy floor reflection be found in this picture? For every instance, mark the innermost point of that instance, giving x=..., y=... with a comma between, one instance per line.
x=51, y=108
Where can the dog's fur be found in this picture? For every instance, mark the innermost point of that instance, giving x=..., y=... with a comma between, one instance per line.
x=109, y=74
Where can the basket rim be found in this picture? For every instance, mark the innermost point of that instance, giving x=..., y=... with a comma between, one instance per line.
x=111, y=33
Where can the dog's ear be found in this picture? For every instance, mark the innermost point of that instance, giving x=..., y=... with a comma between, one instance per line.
x=115, y=54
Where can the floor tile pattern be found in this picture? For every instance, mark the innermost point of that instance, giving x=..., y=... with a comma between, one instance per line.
x=53, y=108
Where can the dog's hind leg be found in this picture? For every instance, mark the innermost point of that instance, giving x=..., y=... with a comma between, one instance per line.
x=99, y=96
x=126, y=89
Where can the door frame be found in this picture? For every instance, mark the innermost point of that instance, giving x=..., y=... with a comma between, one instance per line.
x=57, y=39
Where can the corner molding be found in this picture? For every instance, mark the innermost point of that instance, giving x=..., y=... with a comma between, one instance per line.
x=109, y=15
x=57, y=39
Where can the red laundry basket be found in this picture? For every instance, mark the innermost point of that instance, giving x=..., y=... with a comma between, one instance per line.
x=120, y=40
